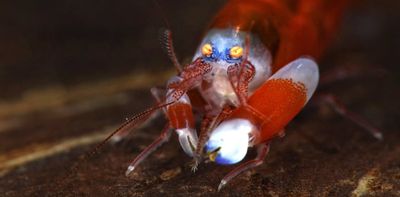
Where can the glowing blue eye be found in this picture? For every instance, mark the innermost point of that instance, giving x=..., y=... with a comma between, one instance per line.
x=213, y=56
x=231, y=59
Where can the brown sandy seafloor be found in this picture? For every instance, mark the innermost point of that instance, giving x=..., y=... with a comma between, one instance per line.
x=70, y=72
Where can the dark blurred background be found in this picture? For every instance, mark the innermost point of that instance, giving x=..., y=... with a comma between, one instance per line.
x=69, y=42
x=70, y=70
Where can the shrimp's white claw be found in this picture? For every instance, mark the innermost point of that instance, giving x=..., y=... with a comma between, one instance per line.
x=188, y=140
x=229, y=142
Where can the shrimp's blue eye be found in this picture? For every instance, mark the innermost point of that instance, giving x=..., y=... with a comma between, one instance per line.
x=207, y=50
x=233, y=54
x=210, y=52
x=236, y=52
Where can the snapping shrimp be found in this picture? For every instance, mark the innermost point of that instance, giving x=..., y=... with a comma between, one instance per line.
x=252, y=73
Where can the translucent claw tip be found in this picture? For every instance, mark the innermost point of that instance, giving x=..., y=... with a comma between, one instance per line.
x=129, y=170
x=221, y=185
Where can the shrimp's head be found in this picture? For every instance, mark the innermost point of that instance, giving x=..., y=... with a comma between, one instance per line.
x=229, y=142
x=226, y=47
x=230, y=47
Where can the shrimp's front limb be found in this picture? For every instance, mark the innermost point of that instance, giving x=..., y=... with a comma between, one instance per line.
x=262, y=152
x=178, y=110
x=180, y=115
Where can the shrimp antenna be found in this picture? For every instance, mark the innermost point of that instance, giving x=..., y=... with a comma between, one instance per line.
x=130, y=123
x=166, y=40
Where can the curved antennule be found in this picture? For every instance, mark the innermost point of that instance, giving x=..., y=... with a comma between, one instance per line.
x=166, y=39
x=168, y=46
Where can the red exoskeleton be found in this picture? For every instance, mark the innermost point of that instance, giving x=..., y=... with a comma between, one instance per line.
x=254, y=70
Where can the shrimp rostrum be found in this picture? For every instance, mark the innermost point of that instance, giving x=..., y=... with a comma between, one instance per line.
x=253, y=71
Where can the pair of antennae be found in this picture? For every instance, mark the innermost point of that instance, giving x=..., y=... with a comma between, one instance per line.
x=131, y=123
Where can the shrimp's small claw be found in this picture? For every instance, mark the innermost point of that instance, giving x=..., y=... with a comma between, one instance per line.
x=188, y=139
x=221, y=184
x=129, y=170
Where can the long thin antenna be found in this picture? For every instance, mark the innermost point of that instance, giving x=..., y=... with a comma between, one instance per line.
x=129, y=124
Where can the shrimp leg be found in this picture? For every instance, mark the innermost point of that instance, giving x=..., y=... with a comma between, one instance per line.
x=342, y=110
x=180, y=117
x=262, y=152
x=164, y=137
